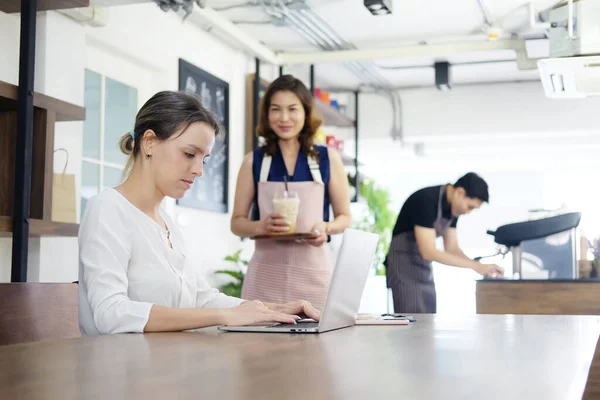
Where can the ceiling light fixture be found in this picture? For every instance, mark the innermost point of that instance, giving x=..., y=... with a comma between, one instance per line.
x=442, y=75
x=379, y=7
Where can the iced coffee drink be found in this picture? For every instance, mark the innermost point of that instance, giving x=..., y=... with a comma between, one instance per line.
x=288, y=205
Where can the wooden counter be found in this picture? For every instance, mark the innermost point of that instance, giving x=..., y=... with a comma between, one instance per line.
x=557, y=297
x=438, y=357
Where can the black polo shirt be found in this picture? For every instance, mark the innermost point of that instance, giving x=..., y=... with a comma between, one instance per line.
x=421, y=209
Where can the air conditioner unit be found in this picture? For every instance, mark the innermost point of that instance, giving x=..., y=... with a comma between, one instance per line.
x=570, y=77
x=575, y=29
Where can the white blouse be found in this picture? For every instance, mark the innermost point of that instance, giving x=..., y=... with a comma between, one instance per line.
x=126, y=265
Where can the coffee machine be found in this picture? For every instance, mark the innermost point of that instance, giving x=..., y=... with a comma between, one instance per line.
x=547, y=244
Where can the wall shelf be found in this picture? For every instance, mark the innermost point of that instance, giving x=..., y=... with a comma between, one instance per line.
x=14, y=6
x=39, y=227
x=64, y=111
x=332, y=117
x=46, y=112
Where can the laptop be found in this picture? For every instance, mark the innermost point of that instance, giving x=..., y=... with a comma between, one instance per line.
x=345, y=291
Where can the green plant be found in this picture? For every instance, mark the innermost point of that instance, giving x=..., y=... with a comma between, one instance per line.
x=234, y=288
x=378, y=219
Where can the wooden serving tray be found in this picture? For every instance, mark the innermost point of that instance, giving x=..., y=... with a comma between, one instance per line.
x=286, y=236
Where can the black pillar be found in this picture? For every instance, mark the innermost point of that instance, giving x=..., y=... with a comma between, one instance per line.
x=24, y=144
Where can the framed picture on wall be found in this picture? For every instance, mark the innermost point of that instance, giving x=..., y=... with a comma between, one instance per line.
x=210, y=191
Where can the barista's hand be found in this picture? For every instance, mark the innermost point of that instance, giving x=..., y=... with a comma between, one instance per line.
x=322, y=230
x=491, y=270
x=275, y=223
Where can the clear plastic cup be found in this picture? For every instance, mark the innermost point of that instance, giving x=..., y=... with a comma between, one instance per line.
x=288, y=205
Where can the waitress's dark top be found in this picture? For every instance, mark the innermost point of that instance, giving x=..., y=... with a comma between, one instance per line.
x=301, y=173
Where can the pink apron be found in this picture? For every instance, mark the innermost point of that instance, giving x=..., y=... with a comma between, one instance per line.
x=282, y=271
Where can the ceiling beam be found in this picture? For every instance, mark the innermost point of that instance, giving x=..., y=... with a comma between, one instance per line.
x=234, y=33
x=225, y=27
x=434, y=50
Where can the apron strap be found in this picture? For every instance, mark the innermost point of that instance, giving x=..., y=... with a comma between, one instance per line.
x=314, y=170
x=312, y=164
x=265, y=168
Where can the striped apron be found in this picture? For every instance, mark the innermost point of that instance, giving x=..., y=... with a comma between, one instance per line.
x=282, y=271
x=410, y=276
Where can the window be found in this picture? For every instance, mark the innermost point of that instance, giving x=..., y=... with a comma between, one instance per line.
x=111, y=107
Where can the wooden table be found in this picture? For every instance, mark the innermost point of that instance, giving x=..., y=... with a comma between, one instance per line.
x=438, y=357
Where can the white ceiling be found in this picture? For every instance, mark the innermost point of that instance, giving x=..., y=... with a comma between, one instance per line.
x=417, y=22
x=412, y=22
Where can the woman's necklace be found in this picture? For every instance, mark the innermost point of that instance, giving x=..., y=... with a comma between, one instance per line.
x=168, y=234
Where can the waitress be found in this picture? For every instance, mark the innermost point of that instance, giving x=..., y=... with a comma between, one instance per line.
x=287, y=269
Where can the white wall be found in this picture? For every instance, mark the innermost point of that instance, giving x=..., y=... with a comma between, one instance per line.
x=145, y=36
x=9, y=47
x=511, y=134
x=477, y=109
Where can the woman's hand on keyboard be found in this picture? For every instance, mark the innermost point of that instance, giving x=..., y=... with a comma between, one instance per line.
x=255, y=312
x=296, y=308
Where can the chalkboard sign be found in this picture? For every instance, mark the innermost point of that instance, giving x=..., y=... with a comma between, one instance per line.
x=209, y=192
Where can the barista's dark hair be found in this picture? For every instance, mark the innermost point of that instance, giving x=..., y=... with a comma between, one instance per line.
x=475, y=186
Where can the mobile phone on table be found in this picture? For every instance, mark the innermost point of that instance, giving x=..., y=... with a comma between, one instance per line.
x=409, y=318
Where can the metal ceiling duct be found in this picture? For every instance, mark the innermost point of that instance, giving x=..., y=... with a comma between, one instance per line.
x=300, y=17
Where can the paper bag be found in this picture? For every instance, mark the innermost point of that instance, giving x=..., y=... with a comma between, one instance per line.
x=64, y=207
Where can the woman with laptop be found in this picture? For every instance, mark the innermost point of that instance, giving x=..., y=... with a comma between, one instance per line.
x=133, y=272
x=290, y=183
